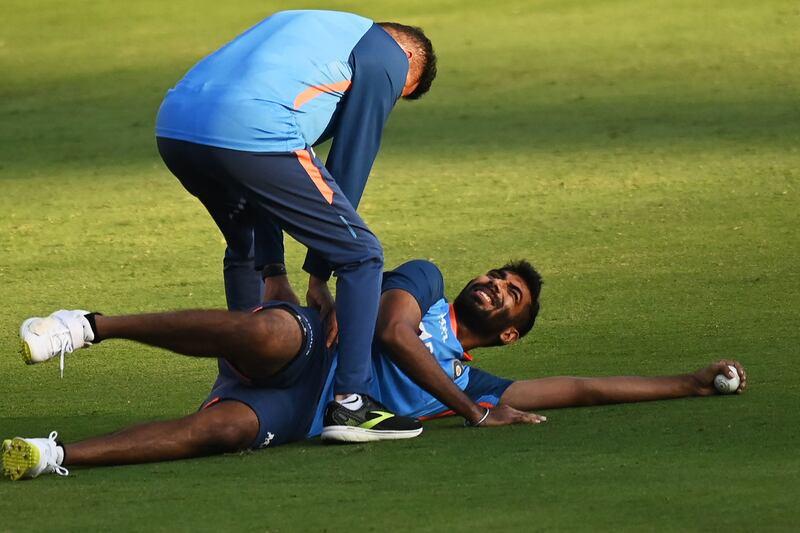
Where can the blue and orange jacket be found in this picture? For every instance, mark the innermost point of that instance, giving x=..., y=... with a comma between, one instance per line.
x=294, y=80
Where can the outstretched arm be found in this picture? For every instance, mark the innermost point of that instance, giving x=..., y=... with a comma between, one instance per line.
x=555, y=392
x=398, y=319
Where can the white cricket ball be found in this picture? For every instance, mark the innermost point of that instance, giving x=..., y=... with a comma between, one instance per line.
x=726, y=385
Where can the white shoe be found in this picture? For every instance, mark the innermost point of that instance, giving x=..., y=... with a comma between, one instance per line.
x=58, y=334
x=29, y=458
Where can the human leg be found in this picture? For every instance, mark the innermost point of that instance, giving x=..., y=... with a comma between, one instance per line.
x=238, y=413
x=258, y=344
x=224, y=427
x=308, y=204
x=302, y=196
x=190, y=164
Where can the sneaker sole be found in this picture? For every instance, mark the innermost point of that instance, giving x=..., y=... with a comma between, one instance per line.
x=357, y=434
x=18, y=458
x=25, y=352
x=25, y=348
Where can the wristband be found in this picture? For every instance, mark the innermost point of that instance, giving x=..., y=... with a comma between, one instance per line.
x=479, y=422
x=272, y=270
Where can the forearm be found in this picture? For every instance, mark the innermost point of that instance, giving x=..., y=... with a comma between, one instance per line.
x=556, y=392
x=269, y=257
x=277, y=287
x=416, y=361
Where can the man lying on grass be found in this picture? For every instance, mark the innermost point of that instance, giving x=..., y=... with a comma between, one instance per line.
x=275, y=372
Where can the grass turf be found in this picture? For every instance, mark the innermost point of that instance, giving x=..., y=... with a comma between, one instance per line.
x=642, y=154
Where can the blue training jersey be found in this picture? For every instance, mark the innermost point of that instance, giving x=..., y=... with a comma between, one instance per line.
x=438, y=332
x=293, y=80
x=276, y=87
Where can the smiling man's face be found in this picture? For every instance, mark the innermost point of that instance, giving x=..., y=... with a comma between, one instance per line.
x=493, y=303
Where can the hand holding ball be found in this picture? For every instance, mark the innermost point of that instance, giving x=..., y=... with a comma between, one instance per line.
x=726, y=385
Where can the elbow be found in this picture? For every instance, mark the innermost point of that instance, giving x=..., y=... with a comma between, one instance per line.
x=586, y=393
x=389, y=335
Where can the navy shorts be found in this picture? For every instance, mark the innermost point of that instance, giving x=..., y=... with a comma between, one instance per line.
x=285, y=406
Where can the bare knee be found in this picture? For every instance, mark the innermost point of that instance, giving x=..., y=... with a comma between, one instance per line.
x=366, y=255
x=276, y=334
x=375, y=252
x=227, y=426
x=231, y=437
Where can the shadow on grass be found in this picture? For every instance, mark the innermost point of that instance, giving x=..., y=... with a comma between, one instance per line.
x=108, y=119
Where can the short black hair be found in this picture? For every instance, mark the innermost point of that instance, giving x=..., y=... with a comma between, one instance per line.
x=424, y=47
x=533, y=280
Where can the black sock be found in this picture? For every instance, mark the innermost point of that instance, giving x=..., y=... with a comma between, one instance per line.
x=90, y=318
x=60, y=444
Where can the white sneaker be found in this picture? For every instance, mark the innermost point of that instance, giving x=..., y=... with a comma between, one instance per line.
x=29, y=458
x=60, y=333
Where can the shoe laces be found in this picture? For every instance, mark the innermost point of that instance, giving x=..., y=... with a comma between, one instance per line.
x=65, y=339
x=57, y=468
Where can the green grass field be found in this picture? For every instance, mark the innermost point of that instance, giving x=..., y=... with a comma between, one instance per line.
x=644, y=155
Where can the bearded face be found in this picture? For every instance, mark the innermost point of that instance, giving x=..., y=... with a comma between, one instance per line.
x=480, y=307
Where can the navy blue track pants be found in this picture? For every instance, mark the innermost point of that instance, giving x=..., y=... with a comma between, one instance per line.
x=251, y=197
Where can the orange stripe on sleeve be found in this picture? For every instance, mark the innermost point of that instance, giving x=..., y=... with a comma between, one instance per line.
x=316, y=90
x=316, y=176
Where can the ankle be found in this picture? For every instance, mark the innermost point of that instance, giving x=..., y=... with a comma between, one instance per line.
x=91, y=318
x=352, y=401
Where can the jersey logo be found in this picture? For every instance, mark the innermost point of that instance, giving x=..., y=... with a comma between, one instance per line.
x=266, y=442
x=443, y=326
x=458, y=369
x=424, y=336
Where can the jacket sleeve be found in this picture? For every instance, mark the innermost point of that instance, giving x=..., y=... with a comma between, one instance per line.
x=379, y=68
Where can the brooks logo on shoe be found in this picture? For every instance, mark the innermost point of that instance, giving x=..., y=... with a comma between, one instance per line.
x=372, y=422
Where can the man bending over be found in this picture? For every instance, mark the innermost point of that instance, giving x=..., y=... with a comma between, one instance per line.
x=276, y=374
